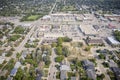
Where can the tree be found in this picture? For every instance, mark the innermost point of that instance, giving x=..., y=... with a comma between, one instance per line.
x=59, y=59
x=19, y=74
x=59, y=43
x=65, y=51
x=117, y=35
x=46, y=59
x=53, y=44
x=18, y=55
x=102, y=56
x=59, y=50
x=87, y=48
x=19, y=30
x=66, y=39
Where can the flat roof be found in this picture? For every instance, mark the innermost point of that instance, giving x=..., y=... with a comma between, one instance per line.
x=1, y=60
x=88, y=29
x=113, y=40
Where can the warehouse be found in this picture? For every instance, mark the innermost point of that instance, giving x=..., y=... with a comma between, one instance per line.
x=88, y=30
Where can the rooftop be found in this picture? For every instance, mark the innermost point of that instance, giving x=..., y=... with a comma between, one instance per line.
x=88, y=30
x=64, y=67
x=113, y=40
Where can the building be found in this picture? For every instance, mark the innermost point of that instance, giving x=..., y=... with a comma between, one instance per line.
x=90, y=69
x=95, y=42
x=17, y=65
x=88, y=30
x=63, y=75
x=116, y=71
x=10, y=78
x=13, y=72
x=49, y=41
x=113, y=42
x=73, y=78
x=53, y=35
x=1, y=60
x=63, y=71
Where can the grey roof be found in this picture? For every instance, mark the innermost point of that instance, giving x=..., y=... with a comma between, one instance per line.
x=116, y=71
x=90, y=70
x=87, y=63
x=63, y=75
x=91, y=74
x=13, y=72
x=73, y=78
x=10, y=78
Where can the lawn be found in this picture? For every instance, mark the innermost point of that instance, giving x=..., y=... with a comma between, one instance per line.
x=33, y=17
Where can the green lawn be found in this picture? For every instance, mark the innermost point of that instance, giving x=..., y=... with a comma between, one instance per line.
x=33, y=17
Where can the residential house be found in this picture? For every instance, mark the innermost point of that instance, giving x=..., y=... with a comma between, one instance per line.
x=13, y=72
x=116, y=71
x=90, y=69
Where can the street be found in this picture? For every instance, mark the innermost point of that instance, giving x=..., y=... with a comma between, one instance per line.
x=52, y=68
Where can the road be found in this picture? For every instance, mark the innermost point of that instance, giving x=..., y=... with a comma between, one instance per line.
x=53, y=7
x=52, y=68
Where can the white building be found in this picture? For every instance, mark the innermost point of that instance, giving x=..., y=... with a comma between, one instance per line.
x=1, y=60
x=112, y=41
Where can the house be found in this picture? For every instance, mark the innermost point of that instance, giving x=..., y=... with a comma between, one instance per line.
x=73, y=78
x=90, y=69
x=63, y=71
x=63, y=75
x=1, y=60
x=24, y=54
x=13, y=72
x=3, y=54
x=65, y=67
x=10, y=78
x=116, y=71
x=112, y=63
x=91, y=74
x=17, y=65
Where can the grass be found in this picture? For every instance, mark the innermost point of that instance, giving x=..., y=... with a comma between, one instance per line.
x=46, y=66
x=45, y=73
x=58, y=75
x=33, y=17
x=14, y=37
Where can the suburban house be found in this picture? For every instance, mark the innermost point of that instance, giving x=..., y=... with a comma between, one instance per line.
x=90, y=69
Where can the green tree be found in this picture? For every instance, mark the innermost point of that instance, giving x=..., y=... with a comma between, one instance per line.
x=59, y=41
x=59, y=59
x=59, y=50
x=65, y=51
x=19, y=74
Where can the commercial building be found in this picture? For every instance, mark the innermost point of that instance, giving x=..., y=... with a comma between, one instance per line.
x=95, y=42
x=88, y=30
x=53, y=35
x=113, y=42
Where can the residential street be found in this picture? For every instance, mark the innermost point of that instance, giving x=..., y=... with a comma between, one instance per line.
x=52, y=68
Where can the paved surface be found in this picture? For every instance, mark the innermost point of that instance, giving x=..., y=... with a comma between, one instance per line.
x=52, y=68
